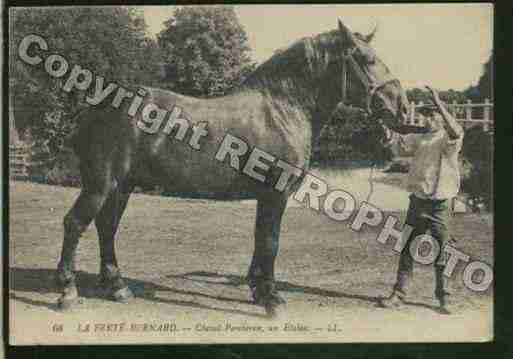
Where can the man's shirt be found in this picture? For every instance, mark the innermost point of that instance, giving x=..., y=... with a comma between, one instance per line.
x=434, y=171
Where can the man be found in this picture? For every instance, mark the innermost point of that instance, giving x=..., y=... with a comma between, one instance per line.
x=433, y=180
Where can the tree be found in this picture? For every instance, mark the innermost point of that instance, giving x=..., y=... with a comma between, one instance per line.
x=484, y=88
x=206, y=50
x=485, y=84
x=109, y=41
x=477, y=155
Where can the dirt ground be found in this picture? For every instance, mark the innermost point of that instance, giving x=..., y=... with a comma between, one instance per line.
x=186, y=260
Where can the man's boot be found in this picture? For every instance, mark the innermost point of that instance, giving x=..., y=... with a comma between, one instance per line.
x=441, y=293
x=395, y=300
x=398, y=296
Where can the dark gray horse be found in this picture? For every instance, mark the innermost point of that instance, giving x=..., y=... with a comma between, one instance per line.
x=280, y=109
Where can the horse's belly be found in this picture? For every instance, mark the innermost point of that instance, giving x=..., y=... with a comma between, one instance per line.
x=202, y=182
x=188, y=172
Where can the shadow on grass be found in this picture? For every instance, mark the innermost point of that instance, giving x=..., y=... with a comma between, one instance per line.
x=42, y=281
x=283, y=286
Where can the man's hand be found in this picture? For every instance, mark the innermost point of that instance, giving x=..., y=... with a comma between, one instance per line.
x=433, y=93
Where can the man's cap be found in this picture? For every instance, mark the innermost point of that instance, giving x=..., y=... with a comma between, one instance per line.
x=427, y=109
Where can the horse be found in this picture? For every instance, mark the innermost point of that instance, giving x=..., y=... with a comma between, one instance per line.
x=280, y=109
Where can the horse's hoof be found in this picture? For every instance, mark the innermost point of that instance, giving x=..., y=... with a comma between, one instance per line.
x=260, y=299
x=68, y=299
x=123, y=295
x=279, y=299
x=272, y=310
x=64, y=304
x=275, y=299
x=272, y=303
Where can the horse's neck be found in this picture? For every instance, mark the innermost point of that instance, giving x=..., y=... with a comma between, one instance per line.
x=290, y=97
x=286, y=89
x=299, y=80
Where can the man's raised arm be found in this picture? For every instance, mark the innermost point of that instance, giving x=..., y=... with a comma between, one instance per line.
x=454, y=130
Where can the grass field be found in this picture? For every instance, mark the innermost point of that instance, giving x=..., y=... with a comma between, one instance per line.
x=186, y=261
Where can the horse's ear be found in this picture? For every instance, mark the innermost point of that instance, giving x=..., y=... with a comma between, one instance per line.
x=347, y=35
x=369, y=37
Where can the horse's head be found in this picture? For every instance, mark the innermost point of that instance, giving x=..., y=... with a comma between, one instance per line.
x=367, y=82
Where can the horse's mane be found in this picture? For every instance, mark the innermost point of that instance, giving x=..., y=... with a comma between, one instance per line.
x=300, y=63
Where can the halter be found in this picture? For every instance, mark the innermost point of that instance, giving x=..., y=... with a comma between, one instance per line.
x=371, y=86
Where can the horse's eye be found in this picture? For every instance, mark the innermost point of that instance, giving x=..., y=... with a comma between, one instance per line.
x=369, y=58
x=366, y=57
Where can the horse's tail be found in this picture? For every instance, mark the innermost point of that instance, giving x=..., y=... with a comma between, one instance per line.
x=67, y=160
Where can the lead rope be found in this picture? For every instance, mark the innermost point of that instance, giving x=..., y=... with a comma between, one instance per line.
x=365, y=246
x=344, y=79
x=371, y=182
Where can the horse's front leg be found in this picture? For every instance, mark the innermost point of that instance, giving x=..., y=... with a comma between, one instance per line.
x=107, y=223
x=270, y=209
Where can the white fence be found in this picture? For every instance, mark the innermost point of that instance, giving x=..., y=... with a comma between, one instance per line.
x=469, y=114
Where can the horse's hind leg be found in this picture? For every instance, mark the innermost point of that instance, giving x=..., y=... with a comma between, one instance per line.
x=107, y=223
x=97, y=183
x=270, y=209
x=76, y=222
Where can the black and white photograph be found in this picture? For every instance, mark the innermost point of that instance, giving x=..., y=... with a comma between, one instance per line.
x=213, y=174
